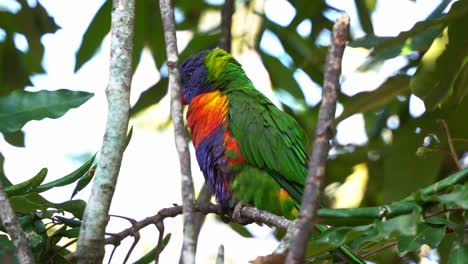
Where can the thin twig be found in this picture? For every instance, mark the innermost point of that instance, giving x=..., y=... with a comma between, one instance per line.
x=453, y=153
x=13, y=228
x=247, y=212
x=189, y=240
x=372, y=252
x=321, y=147
x=91, y=239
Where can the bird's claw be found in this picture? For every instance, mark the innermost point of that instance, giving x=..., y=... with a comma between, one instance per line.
x=237, y=215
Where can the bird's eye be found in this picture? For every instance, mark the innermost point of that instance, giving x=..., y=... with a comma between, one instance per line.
x=187, y=76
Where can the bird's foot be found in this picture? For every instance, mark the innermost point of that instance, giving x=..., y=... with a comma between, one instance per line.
x=222, y=214
x=237, y=215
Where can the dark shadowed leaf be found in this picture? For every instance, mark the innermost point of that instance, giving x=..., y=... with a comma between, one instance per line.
x=364, y=16
x=443, y=62
x=68, y=179
x=13, y=72
x=281, y=76
x=459, y=254
x=3, y=179
x=16, y=138
x=151, y=96
x=404, y=172
x=20, y=107
x=94, y=35
x=153, y=31
x=27, y=186
x=418, y=38
x=199, y=42
x=458, y=197
x=68, y=222
x=460, y=87
x=367, y=101
x=426, y=234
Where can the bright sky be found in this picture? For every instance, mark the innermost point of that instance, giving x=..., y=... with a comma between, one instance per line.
x=149, y=178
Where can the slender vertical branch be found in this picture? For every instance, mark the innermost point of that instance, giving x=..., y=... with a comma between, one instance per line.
x=189, y=241
x=13, y=228
x=453, y=152
x=91, y=240
x=321, y=147
x=226, y=25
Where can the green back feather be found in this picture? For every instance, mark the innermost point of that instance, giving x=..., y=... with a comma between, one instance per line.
x=270, y=139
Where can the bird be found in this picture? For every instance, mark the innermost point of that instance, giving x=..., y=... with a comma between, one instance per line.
x=250, y=152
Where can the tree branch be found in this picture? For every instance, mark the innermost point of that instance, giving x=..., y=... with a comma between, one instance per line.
x=355, y=216
x=189, y=241
x=323, y=134
x=13, y=228
x=91, y=239
x=226, y=25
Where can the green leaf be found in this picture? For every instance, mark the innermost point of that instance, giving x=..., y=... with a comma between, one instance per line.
x=27, y=186
x=94, y=35
x=68, y=222
x=404, y=225
x=84, y=181
x=460, y=87
x=15, y=139
x=281, y=76
x=241, y=230
x=153, y=30
x=368, y=101
x=69, y=233
x=20, y=107
x=364, y=16
x=151, y=96
x=404, y=171
x=32, y=202
x=70, y=178
x=459, y=254
x=335, y=237
x=436, y=74
x=457, y=197
x=76, y=207
x=418, y=38
x=200, y=41
x=305, y=54
x=3, y=179
x=13, y=71
x=426, y=234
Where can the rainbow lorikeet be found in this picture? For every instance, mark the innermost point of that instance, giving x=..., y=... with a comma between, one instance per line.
x=248, y=150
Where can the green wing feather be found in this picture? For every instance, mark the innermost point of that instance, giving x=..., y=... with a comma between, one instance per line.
x=269, y=139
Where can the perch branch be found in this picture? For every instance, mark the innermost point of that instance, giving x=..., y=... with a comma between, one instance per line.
x=91, y=240
x=321, y=147
x=189, y=241
x=13, y=228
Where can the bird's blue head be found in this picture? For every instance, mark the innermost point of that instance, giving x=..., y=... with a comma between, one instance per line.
x=194, y=77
